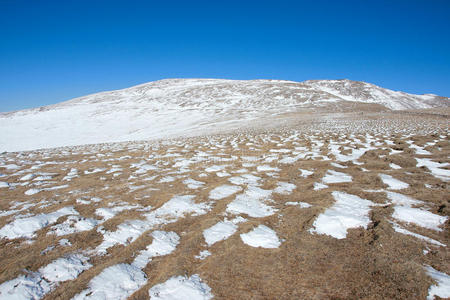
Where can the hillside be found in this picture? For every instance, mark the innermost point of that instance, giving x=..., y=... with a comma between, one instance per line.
x=188, y=107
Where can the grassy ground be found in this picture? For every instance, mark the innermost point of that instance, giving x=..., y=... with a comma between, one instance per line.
x=372, y=263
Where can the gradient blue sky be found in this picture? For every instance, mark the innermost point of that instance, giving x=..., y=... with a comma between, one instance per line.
x=53, y=51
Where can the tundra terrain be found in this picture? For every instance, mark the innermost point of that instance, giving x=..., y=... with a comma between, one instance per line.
x=350, y=205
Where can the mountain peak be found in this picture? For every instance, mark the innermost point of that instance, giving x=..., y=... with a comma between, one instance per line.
x=178, y=106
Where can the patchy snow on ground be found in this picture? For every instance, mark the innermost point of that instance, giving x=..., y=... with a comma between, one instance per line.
x=284, y=188
x=31, y=286
x=435, y=168
x=336, y=165
x=115, y=282
x=251, y=202
x=163, y=243
x=336, y=177
x=267, y=168
x=109, y=212
x=177, y=207
x=419, y=217
x=223, y=191
x=319, y=186
x=34, y=191
x=442, y=288
x=349, y=211
x=35, y=285
x=203, y=254
x=394, y=184
x=222, y=230
x=193, y=184
x=402, y=230
x=4, y=184
x=305, y=173
x=403, y=200
x=394, y=166
x=67, y=268
x=181, y=288
x=246, y=179
x=26, y=227
x=73, y=224
x=261, y=236
x=300, y=204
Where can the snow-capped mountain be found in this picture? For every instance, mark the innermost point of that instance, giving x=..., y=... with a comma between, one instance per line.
x=179, y=107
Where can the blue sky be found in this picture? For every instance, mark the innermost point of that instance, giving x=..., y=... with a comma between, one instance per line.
x=53, y=51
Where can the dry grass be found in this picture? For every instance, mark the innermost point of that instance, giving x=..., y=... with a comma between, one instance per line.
x=372, y=263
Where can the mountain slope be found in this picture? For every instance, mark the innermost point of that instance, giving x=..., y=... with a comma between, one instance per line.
x=175, y=107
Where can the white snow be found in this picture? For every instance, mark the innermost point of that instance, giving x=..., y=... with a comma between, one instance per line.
x=181, y=288
x=246, y=179
x=267, y=168
x=23, y=287
x=26, y=227
x=224, y=191
x=222, y=230
x=251, y=203
x=336, y=165
x=284, y=188
x=349, y=211
x=336, y=177
x=402, y=230
x=166, y=179
x=419, y=217
x=261, y=236
x=121, y=280
x=64, y=242
x=73, y=224
x=35, y=285
x=93, y=171
x=193, y=184
x=4, y=184
x=442, y=288
x=35, y=191
x=72, y=174
x=115, y=282
x=394, y=166
x=215, y=168
x=319, y=186
x=305, y=173
x=108, y=212
x=67, y=268
x=163, y=243
x=177, y=207
x=435, y=168
x=203, y=254
x=191, y=104
x=400, y=199
x=394, y=184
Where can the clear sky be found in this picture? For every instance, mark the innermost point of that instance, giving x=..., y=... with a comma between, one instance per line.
x=51, y=51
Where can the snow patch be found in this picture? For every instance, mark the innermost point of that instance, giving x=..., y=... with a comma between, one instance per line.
x=250, y=203
x=336, y=177
x=223, y=191
x=349, y=211
x=181, y=287
x=394, y=184
x=442, y=288
x=261, y=236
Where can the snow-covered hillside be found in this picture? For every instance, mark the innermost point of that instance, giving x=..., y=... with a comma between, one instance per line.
x=179, y=107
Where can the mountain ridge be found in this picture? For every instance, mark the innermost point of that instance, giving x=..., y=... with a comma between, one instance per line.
x=174, y=80
x=181, y=107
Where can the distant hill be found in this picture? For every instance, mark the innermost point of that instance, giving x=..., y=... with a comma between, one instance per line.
x=178, y=107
